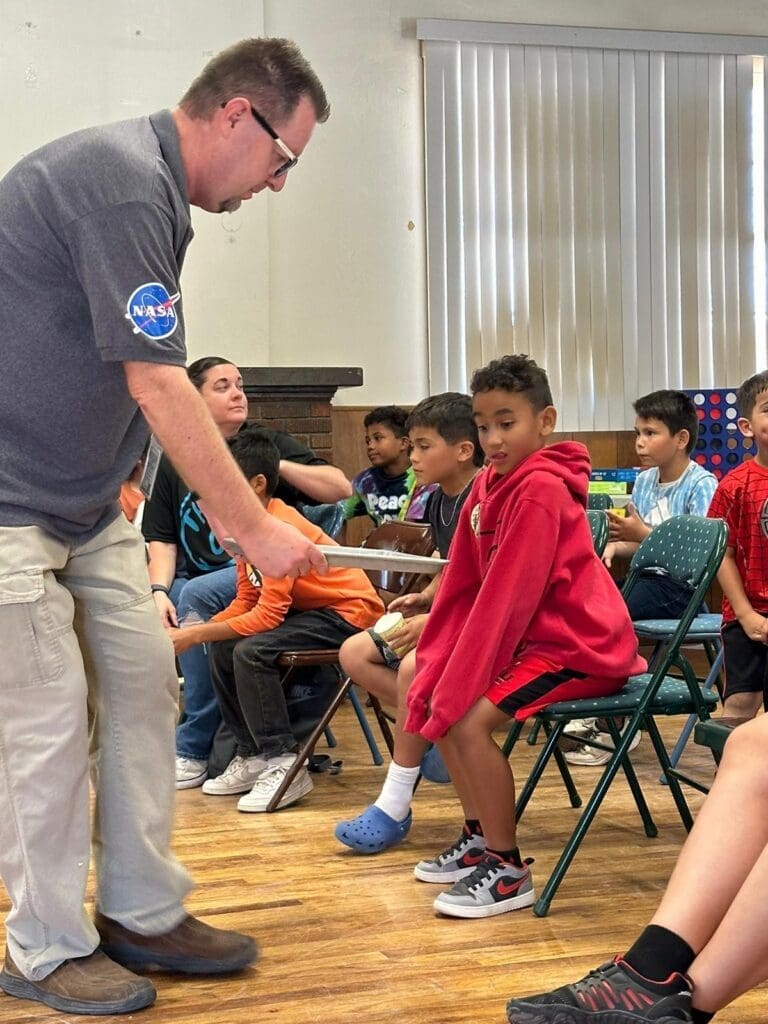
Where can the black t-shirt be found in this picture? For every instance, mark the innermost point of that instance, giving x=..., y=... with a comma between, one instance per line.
x=442, y=514
x=173, y=517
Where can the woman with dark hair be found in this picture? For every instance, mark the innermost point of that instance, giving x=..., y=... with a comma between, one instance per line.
x=192, y=576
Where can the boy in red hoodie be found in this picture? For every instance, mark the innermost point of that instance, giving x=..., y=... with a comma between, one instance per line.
x=526, y=615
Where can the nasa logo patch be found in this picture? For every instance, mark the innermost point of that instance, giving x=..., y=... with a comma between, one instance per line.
x=151, y=310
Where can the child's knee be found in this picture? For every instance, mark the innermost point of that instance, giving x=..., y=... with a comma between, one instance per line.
x=745, y=752
x=357, y=651
x=465, y=735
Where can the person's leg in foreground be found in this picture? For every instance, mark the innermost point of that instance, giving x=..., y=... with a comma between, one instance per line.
x=708, y=941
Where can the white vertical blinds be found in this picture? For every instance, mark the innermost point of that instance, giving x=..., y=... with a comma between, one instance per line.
x=591, y=200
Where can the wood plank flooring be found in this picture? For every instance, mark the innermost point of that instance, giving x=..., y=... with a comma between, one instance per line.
x=347, y=939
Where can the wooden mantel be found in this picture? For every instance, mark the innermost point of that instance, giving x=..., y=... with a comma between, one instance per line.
x=297, y=399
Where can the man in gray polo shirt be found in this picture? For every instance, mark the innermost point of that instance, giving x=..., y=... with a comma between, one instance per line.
x=93, y=230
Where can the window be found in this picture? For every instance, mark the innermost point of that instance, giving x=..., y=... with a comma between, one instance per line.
x=595, y=198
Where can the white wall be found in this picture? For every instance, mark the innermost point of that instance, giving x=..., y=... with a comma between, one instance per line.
x=331, y=271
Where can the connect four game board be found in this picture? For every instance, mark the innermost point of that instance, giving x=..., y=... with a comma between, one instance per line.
x=721, y=445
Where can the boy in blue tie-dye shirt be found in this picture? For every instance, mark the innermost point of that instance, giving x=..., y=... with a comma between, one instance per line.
x=388, y=489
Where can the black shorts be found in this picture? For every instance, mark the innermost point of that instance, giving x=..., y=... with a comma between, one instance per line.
x=746, y=663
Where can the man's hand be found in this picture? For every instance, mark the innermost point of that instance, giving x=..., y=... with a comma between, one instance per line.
x=274, y=547
x=165, y=608
x=411, y=604
x=629, y=527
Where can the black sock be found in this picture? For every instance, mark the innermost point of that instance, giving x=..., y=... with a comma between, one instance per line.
x=510, y=856
x=473, y=827
x=658, y=952
x=701, y=1016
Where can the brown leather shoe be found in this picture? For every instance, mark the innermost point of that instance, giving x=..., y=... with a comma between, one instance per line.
x=190, y=948
x=89, y=984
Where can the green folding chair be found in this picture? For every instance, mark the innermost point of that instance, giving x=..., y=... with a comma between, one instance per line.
x=597, y=501
x=705, y=630
x=598, y=524
x=690, y=549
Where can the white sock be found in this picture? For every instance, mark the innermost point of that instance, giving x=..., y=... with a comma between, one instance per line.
x=397, y=791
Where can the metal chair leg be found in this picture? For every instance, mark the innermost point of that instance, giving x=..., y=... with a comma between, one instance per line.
x=632, y=781
x=372, y=745
x=383, y=721
x=691, y=721
x=533, y=735
x=674, y=785
x=565, y=773
x=308, y=746
x=512, y=736
x=542, y=904
x=538, y=770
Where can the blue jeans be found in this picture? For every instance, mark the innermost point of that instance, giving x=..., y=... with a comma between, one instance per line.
x=657, y=597
x=205, y=596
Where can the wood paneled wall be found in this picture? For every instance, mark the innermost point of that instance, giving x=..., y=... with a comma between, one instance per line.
x=607, y=449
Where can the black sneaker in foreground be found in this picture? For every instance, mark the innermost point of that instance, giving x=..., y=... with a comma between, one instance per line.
x=612, y=994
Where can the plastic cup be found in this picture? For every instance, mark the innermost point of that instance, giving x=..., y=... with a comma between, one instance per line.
x=386, y=626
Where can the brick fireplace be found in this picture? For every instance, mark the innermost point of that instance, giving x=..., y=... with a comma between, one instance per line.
x=297, y=399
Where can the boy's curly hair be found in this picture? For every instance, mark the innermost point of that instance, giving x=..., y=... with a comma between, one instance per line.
x=516, y=373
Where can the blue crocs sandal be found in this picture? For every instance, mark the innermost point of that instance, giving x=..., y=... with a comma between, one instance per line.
x=373, y=831
x=433, y=767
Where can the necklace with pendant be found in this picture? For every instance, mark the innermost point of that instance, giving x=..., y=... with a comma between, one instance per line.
x=454, y=506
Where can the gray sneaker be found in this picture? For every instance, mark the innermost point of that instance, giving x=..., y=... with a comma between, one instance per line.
x=456, y=861
x=494, y=887
x=238, y=777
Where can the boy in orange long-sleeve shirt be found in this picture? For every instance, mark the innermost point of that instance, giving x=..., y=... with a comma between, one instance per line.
x=269, y=616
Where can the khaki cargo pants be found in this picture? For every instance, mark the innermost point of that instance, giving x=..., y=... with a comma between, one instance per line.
x=80, y=640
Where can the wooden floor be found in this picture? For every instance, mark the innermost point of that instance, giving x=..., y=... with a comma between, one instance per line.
x=347, y=939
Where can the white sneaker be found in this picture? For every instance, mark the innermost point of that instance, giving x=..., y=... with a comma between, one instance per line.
x=580, y=728
x=238, y=777
x=589, y=756
x=268, y=783
x=190, y=772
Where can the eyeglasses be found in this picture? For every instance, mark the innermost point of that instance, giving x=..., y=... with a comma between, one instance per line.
x=292, y=158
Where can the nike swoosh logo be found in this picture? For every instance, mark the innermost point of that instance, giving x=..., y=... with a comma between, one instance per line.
x=506, y=890
x=471, y=858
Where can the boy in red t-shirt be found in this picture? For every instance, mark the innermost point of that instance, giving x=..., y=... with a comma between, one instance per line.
x=741, y=499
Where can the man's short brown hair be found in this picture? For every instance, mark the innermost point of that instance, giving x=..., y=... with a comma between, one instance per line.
x=272, y=73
